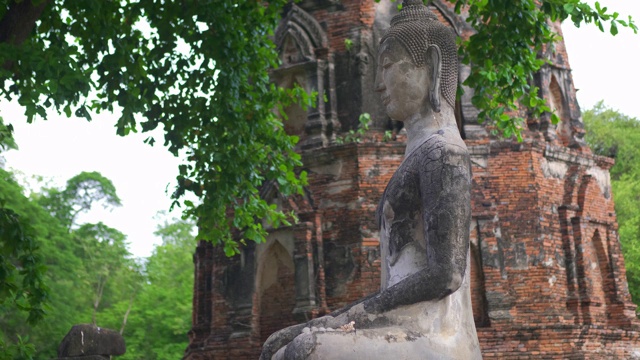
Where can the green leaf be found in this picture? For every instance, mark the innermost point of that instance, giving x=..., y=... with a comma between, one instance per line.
x=569, y=8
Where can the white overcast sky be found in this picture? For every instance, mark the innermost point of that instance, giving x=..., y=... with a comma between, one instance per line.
x=604, y=67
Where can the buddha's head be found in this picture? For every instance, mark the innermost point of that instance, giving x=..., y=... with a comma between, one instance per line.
x=417, y=63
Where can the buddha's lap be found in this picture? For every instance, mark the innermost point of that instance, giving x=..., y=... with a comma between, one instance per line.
x=392, y=342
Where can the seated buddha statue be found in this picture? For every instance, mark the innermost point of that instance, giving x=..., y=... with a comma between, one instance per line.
x=423, y=309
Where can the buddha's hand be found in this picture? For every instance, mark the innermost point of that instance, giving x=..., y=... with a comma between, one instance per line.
x=345, y=321
x=357, y=317
x=279, y=339
x=283, y=337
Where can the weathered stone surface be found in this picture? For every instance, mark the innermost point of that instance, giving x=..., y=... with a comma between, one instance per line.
x=88, y=339
x=424, y=305
x=547, y=274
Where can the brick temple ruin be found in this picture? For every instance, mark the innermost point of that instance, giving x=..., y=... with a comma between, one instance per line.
x=548, y=276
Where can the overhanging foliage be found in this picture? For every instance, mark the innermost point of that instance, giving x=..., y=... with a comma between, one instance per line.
x=200, y=70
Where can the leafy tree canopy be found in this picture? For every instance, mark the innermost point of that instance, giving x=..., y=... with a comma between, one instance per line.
x=80, y=194
x=520, y=30
x=612, y=134
x=23, y=226
x=22, y=283
x=199, y=69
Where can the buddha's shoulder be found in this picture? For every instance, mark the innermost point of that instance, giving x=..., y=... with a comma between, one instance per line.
x=441, y=145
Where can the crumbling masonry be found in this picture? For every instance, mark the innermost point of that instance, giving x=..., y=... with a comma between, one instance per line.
x=548, y=277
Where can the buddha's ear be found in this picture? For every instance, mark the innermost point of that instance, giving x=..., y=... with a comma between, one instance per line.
x=434, y=61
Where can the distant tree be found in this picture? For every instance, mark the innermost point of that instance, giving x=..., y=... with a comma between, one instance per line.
x=82, y=192
x=612, y=134
x=160, y=317
x=105, y=256
x=88, y=269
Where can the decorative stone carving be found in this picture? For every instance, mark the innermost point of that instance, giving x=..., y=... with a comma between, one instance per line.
x=304, y=28
x=306, y=62
x=362, y=62
x=423, y=309
x=299, y=36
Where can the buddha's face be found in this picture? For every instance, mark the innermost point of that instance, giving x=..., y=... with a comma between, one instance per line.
x=402, y=85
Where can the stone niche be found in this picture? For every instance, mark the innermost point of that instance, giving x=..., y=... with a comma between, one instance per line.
x=307, y=63
x=273, y=283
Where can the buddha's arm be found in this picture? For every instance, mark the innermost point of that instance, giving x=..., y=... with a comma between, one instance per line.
x=445, y=190
x=446, y=216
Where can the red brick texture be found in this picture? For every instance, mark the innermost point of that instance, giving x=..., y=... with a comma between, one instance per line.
x=554, y=278
x=547, y=279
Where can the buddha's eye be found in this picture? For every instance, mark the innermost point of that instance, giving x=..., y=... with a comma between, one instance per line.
x=386, y=63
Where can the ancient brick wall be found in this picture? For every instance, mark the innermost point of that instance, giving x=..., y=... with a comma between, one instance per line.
x=554, y=284
x=547, y=273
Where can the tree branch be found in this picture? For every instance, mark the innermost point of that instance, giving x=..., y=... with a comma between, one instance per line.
x=126, y=314
x=19, y=21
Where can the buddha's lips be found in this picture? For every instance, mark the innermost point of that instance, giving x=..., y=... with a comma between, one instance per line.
x=386, y=99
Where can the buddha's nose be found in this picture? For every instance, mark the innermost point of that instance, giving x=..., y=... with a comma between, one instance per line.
x=378, y=83
x=379, y=86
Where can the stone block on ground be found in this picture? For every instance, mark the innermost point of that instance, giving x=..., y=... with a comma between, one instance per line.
x=85, y=340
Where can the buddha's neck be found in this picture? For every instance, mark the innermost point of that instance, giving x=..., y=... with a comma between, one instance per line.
x=422, y=125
